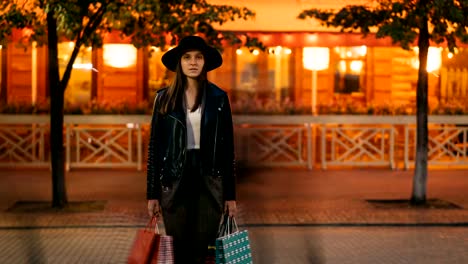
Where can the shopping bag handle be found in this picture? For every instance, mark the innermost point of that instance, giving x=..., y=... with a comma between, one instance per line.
x=149, y=226
x=226, y=225
x=234, y=223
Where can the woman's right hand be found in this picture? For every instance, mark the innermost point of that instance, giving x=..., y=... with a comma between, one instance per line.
x=153, y=208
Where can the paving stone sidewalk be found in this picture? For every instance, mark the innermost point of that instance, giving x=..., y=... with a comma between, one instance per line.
x=339, y=197
x=293, y=216
x=265, y=197
x=270, y=245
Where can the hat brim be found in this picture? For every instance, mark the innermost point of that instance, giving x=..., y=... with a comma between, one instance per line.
x=213, y=58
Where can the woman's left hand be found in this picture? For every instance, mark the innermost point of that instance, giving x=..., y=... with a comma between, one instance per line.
x=231, y=208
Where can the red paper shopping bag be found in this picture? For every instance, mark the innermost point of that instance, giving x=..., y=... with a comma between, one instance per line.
x=145, y=243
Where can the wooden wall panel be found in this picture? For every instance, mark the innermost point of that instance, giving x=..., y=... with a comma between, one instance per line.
x=263, y=75
x=19, y=74
x=42, y=74
x=388, y=75
x=117, y=85
x=381, y=75
x=300, y=84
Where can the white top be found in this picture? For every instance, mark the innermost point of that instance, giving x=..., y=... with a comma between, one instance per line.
x=193, y=128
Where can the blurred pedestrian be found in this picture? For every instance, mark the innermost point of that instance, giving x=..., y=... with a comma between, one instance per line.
x=191, y=174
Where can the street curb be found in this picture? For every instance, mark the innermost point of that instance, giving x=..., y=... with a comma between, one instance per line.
x=457, y=224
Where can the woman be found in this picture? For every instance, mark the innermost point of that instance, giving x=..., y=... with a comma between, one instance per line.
x=191, y=152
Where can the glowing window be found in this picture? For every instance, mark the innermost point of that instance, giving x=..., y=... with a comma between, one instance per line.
x=79, y=87
x=263, y=75
x=247, y=71
x=350, y=69
x=279, y=85
x=120, y=55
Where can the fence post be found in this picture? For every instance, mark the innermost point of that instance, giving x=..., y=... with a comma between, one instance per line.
x=309, y=147
x=406, y=154
x=323, y=158
x=67, y=147
x=392, y=148
x=139, y=146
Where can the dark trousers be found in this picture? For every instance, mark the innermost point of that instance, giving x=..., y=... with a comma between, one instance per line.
x=194, y=218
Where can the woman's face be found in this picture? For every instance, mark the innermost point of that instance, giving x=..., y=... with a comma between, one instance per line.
x=192, y=63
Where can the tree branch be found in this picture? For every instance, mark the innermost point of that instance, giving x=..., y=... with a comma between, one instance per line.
x=93, y=23
x=81, y=38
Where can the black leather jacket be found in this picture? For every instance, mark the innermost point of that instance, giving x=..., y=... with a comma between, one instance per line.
x=167, y=149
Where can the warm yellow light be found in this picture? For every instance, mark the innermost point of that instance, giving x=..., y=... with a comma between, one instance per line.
x=312, y=38
x=83, y=66
x=363, y=50
x=450, y=55
x=342, y=66
x=356, y=66
x=278, y=49
x=155, y=49
x=120, y=55
x=238, y=51
x=255, y=52
x=316, y=58
x=434, y=59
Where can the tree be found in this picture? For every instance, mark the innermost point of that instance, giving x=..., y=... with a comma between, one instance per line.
x=405, y=21
x=86, y=22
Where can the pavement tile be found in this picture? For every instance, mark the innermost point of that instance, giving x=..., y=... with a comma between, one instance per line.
x=265, y=196
x=271, y=203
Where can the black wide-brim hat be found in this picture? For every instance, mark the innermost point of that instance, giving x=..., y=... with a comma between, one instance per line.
x=213, y=58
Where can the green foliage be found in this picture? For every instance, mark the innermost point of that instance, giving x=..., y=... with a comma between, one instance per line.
x=401, y=20
x=144, y=22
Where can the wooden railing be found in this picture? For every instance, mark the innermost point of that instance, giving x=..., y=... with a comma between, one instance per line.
x=99, y=141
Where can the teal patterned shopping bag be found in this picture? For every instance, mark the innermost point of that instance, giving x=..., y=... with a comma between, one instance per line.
x=232, y=247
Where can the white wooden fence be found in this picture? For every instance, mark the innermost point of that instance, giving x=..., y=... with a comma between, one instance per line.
x=100, y=141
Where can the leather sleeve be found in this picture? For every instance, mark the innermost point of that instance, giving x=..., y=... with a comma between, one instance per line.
x=229, y=181
x=153, y=182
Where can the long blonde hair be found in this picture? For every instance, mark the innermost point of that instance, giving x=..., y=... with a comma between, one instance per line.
x=175, y=91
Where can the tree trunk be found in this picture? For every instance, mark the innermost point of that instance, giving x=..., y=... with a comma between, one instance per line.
x=59, y=195
x=420, y=176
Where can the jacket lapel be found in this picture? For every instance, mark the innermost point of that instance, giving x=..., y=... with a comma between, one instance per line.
x=179, y=114
x=207, y=116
